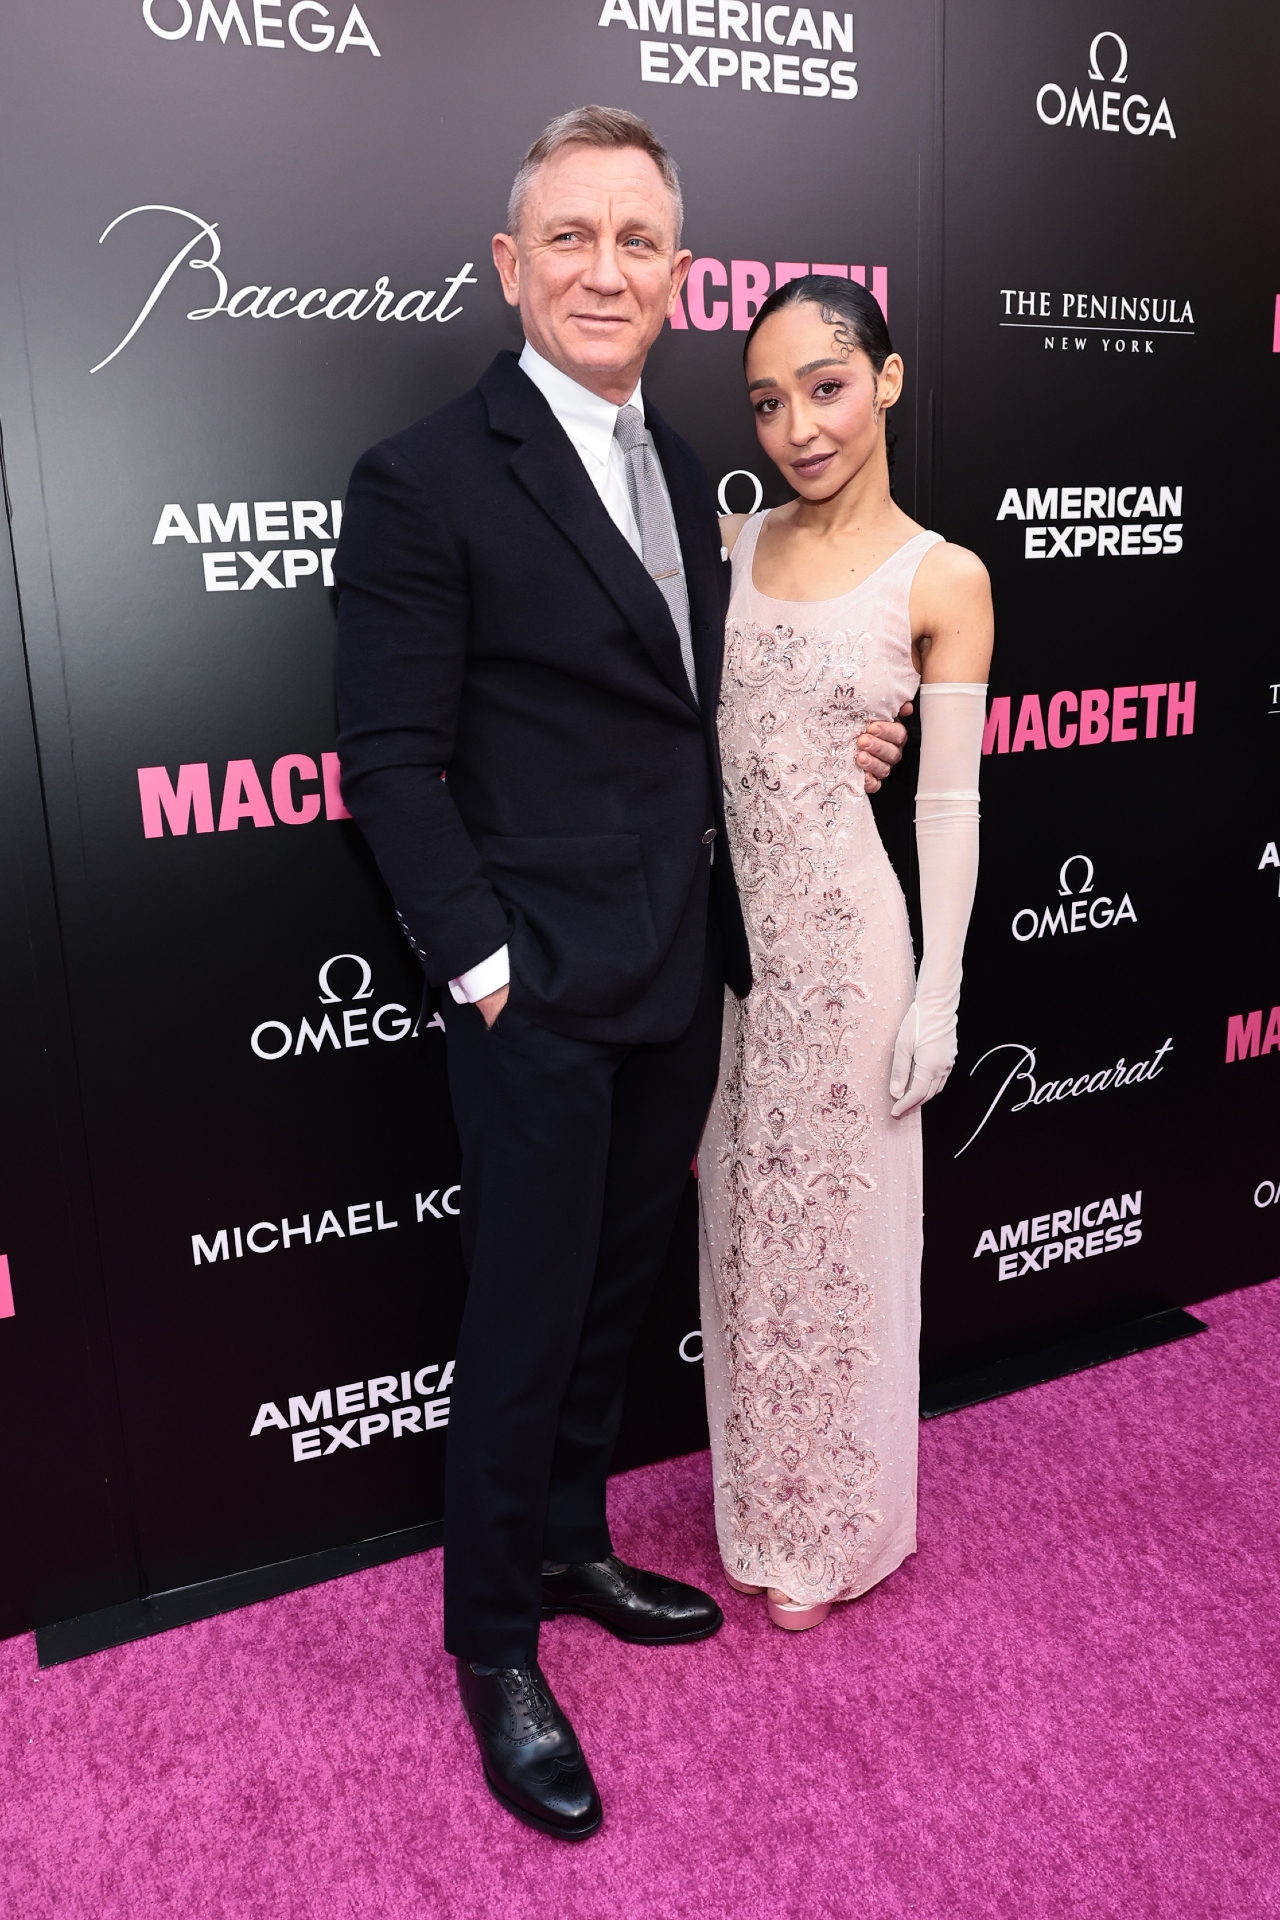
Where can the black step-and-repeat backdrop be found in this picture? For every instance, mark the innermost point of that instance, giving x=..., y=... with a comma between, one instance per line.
x=245, y=238
x=1107, y=1141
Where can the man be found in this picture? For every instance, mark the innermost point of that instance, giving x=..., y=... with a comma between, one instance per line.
x=532, y=600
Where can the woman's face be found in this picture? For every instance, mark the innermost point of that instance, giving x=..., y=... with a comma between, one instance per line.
x=819, y=404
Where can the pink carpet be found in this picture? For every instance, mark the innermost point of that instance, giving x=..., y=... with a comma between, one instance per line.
x=1066, y=1704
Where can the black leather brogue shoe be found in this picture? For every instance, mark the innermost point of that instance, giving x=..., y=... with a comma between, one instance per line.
x=644, y=1608
x=532, y=1761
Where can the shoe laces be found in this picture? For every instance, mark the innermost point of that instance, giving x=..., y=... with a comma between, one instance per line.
x=531, y=1697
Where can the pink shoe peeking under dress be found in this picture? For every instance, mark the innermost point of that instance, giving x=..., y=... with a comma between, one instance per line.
x=740, y=1586
x=787, y=1613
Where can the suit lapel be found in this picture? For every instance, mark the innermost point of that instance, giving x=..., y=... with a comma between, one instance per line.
x=547, y=465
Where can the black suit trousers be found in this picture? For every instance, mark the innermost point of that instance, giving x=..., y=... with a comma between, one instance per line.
x=574, y=1158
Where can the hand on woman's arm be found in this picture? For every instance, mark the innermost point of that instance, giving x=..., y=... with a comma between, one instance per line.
x=880, y=748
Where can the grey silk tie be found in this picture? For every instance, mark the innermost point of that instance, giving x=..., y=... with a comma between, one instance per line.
x=660, y=551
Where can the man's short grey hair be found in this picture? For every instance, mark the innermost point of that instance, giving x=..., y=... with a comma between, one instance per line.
x=594, y=127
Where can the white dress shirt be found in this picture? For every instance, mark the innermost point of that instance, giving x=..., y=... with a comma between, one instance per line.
x=589, y=421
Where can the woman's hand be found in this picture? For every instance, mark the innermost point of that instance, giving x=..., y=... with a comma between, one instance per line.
x=921, y=1068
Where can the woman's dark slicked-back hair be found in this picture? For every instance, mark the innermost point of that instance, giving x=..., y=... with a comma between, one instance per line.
x=850, y=309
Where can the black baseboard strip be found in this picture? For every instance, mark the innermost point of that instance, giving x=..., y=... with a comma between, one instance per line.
x=180, y=1606
x=1019, y=1370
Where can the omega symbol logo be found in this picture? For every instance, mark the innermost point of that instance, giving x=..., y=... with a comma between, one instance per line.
x=1122, y=71
x=363, y=992
x=1063, y=884
x=739, y=473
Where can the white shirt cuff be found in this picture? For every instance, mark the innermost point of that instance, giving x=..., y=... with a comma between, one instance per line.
x=481, y=980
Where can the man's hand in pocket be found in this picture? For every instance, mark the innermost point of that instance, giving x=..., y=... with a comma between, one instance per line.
x=492, y=1004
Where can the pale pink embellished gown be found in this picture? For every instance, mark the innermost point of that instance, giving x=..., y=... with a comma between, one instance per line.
x=810, y=1192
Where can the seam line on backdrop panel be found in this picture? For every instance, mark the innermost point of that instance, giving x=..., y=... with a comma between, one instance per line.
x=127, y=1552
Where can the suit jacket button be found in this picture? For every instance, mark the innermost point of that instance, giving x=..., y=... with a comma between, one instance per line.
x=708, y=836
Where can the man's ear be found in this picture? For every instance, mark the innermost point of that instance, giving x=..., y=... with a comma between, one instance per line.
x=680, y=265
x=507, y=261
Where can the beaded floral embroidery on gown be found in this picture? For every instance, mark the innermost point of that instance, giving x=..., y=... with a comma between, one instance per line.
x=810, y=1192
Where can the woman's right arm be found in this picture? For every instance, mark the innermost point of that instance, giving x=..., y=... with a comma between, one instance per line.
x=953, y=629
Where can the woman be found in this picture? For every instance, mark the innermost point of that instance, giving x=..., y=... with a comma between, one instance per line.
x=810, y=1164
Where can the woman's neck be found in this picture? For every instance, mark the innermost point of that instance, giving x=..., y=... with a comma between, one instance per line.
x=862, y=504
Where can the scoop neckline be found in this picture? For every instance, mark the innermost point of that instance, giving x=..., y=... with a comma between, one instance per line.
x=828, y=600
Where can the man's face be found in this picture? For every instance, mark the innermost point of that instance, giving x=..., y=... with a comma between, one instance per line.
x=594, y=268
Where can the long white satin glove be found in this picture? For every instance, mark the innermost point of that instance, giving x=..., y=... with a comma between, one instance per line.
x=951, y=721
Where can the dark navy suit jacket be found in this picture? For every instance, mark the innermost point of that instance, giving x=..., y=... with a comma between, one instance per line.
x=495, y=626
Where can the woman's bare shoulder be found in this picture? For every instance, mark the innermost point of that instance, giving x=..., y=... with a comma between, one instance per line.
x=949, y=569
x=952, y=622
x=731, y=525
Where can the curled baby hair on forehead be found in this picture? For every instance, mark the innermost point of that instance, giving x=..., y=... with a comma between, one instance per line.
x=853, y=314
